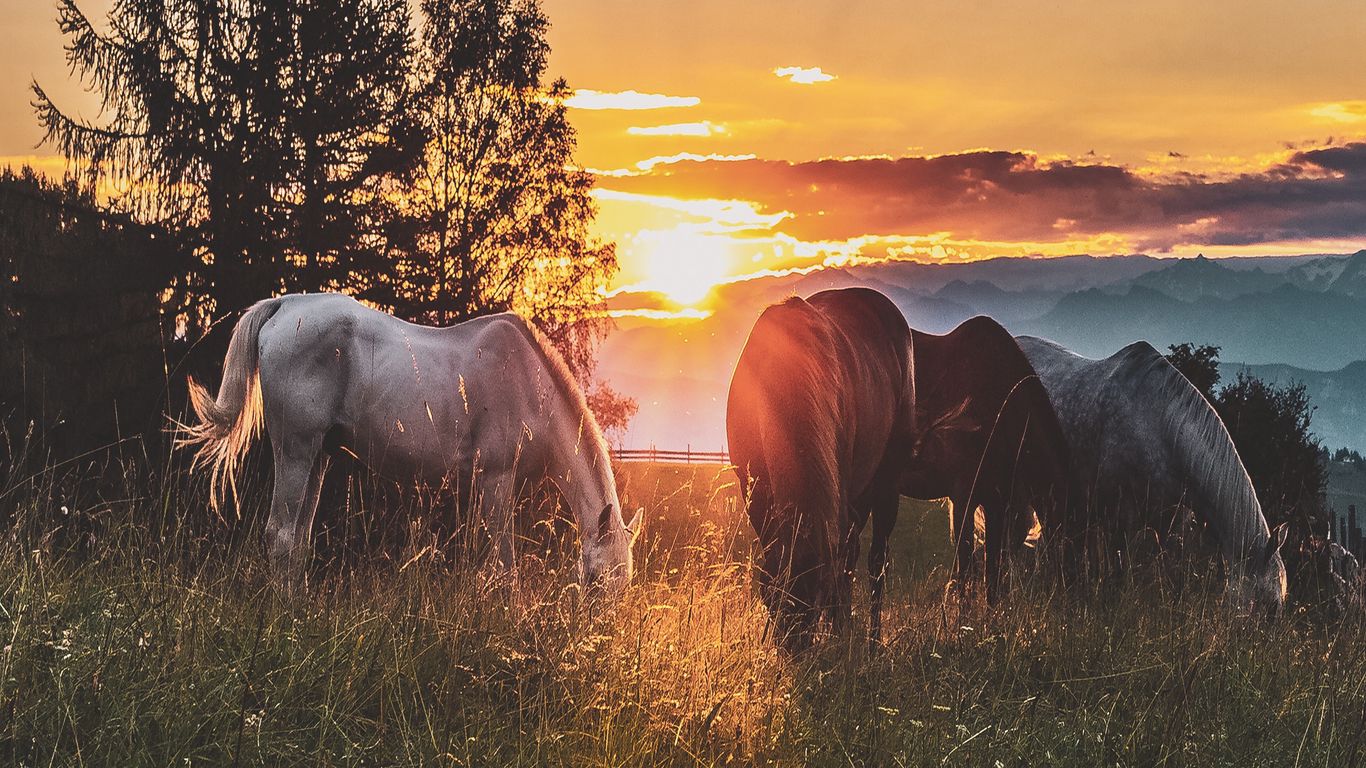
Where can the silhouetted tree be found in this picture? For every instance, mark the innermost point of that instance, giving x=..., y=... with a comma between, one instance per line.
x=1199, y=363
x=248, y=128
x=1270, y=426
x=497, y=215
x=81, y=331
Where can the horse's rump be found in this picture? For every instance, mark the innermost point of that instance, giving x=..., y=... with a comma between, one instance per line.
x=818, y=396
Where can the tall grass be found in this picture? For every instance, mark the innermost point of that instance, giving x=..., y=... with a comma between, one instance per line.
x=135, y=630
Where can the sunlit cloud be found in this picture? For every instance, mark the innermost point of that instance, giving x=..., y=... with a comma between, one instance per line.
x=587, y=99
x=725, y=215
x=686, y=313
x=804, y=75
x=1341, y=111
x=704, y=128
x=1020, y=197
x=690, y=157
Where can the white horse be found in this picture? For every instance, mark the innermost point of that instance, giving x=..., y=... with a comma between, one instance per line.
x=1143, y=440
x=486, y=406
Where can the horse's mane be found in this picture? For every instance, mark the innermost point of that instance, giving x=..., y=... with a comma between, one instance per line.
x=566, y=384
x=794, y=365
x=1202, y=448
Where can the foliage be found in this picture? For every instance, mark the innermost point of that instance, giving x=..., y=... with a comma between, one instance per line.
x=307, y=146
x=250, y=130
x=1270, y=426
x=1349, y=457
x=133, y=638
x=613, y=411
x=495, y=217
x=1199, y=363
x=78, y=288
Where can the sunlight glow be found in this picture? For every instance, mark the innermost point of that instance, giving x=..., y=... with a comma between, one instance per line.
x=683, y=264
x=804, y=75
x=704, y=128
x=586, y=99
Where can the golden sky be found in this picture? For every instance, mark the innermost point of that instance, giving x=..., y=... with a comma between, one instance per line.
x=770, y=135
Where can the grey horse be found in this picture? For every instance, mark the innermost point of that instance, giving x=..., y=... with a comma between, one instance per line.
x=1143, y=442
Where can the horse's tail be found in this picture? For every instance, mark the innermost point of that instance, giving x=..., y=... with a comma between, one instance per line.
x=228, y=423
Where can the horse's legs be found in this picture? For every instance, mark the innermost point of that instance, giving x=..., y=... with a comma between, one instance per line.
x=996, y=518
x=964, y=524
x=497, y=508
x=843, y=607
x=299, y=470
x=884, y=517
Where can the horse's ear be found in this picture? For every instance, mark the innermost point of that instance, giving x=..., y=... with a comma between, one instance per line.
x=636, y=526
x=1277, y=540
x=605, y=522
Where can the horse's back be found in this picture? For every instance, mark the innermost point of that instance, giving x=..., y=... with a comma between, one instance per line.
x=407, y=398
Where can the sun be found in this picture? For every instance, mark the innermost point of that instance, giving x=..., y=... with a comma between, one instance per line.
x=685, y=266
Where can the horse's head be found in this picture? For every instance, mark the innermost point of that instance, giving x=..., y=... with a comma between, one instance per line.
x=1262, y=583
x=792, y=583
x=606, y=564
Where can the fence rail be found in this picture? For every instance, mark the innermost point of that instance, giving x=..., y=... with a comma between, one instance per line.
x=687, y=456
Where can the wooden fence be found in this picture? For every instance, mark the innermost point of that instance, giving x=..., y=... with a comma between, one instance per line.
x=687, y=456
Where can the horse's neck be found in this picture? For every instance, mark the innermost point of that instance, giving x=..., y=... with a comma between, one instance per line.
x=579, y=462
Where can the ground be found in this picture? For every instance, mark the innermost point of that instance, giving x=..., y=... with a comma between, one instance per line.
x=131, y=637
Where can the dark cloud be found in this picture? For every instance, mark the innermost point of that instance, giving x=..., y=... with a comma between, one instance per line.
x=1014, y=196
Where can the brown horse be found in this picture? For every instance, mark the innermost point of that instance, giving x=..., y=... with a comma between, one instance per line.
x=819, y=418
x=988, y=437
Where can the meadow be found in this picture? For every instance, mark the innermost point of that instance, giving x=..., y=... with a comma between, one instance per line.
x=137, y=630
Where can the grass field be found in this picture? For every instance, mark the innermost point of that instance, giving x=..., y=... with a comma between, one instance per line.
x=130, y=636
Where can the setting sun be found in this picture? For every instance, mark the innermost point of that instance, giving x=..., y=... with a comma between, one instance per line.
x=683, y=265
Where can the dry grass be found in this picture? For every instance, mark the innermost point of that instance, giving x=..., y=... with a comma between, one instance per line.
x=131, y=635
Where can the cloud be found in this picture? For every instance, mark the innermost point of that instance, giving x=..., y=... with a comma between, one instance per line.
x=1340, y=111
x=804, y=75
x=704, y=128
x=1016, y=197
x=721, y=215
x=586, y=99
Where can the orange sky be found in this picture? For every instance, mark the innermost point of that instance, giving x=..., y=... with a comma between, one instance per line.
x=1169, y=127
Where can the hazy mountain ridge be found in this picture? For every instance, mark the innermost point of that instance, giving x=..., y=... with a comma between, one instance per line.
x=1339, y=398
x=1294, y=317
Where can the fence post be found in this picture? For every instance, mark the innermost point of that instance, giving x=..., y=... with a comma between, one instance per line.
x=1354, y=541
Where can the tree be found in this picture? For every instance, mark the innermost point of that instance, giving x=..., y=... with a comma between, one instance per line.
x=246, y=128
x=1199, y=363
x=1270, y=425
x=79, y=293
x=497, y=215
x=613, y=411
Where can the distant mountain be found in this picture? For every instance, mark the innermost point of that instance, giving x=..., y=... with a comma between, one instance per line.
x=984, y=298
x=1199, y=278
x=1287, y=325
x=1057, y=274
x=1351, y=279
x=1338, y=397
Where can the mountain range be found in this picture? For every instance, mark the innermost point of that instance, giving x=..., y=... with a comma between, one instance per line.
x=1299, y=318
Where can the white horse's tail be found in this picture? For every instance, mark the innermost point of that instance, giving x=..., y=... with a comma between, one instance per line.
x=229, y=422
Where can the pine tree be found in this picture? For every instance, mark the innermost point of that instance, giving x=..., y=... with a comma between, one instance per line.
x=496, y=217
x=249, y=128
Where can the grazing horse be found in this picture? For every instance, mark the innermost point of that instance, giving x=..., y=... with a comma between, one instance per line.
x=987, y=436
x=819, y=418
x=1143, y=442
x=486, y=406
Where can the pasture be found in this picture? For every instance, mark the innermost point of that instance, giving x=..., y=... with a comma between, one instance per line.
x=135, y=630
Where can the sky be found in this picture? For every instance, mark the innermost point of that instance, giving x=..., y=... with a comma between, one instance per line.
x=736, y=138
